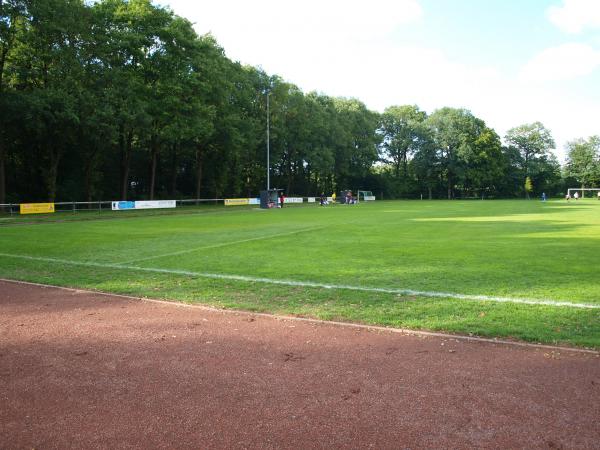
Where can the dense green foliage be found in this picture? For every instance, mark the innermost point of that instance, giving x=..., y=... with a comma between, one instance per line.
x=122, y=99
x=516, y=249
x=583, y=163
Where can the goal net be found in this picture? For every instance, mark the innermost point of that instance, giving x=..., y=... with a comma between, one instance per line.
x=365, y=196
x=581, y=192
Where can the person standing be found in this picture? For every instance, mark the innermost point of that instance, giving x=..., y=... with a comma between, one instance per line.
x=543, y=196
x=576, y=195
x=333, y=197
x=281, y=199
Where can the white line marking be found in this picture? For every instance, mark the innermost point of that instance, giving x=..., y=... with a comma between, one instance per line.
x=218, y=276
x=223, y=244
x=316, y=321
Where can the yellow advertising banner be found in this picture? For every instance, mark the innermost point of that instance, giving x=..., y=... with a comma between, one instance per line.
x=36, y=208
x=236, y=201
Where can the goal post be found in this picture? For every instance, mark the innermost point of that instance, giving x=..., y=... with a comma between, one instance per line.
x=595, y=192
x=365, y=196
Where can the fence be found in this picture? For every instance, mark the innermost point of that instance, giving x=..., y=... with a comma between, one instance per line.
x=102, y=205
x=105, y=205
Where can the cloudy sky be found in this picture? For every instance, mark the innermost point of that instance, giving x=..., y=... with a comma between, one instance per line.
x=508, y=61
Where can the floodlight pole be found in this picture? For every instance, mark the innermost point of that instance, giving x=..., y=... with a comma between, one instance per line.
x=268, y=163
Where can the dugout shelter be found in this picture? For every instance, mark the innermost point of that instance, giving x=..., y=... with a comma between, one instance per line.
x=269, y=198
x=346, y=197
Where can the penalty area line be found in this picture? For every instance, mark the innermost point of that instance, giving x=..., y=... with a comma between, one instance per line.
x=222, y=244
x=309, y=284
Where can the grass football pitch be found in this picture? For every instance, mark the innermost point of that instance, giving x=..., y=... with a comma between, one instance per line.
x=512, y=269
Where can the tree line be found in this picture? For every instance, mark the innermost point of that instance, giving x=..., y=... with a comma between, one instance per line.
x=122, y=99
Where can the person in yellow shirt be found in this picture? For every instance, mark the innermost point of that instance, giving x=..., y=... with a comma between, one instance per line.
x=333, y=196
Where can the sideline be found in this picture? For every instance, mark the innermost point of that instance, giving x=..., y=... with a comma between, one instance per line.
x=222, y=244
x=410, y=292
x=316, y=321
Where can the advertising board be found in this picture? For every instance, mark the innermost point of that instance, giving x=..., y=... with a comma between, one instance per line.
x=236, y=201
x=155, y=204
x=122, y=205
x=36, y=208
x=143, y=204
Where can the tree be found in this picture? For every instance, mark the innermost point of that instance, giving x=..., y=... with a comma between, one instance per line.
x=325, y=155
x=357, y=150
x=427, y=167
x=99, y=96
x=483, y=161
x=12, y=15
x=403, y=134
x=528, y=187
x=132, y=38
x=467, y=150
x=583, y=161
x=547, y=174
x=48, y=71
x=534, y=142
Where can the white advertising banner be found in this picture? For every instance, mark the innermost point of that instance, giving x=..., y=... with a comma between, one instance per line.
x=154, y=204
x=311, y=200
x=293, y=199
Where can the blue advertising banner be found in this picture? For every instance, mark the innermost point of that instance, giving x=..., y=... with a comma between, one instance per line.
x=123, y=205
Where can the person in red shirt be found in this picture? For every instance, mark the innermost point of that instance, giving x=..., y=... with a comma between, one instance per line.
x=281, y=199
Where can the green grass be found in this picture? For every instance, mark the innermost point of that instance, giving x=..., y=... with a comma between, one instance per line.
x=518, y=249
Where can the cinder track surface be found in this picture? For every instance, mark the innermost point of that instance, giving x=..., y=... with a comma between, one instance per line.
x=86, y=370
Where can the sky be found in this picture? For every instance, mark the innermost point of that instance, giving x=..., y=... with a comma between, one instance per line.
x=509, y=62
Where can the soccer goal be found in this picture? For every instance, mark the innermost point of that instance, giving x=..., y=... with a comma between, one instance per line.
x=594, y=192
x=365, y=196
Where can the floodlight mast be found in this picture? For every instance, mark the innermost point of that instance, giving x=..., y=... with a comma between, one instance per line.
x=268, y=131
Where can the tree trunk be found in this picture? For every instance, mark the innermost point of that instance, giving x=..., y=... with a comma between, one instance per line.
x=2, y=172
x=2, y=152
x=123, y=162
x=88, y=179
x=154, y=150
x=52, y=175
x=429, y=191
x=125, y=141
x=449, y=188
x=2, y=62
x=289, y=174
x=199, y=161
x=53, y=178
x=173, y=170
x=89, y=166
